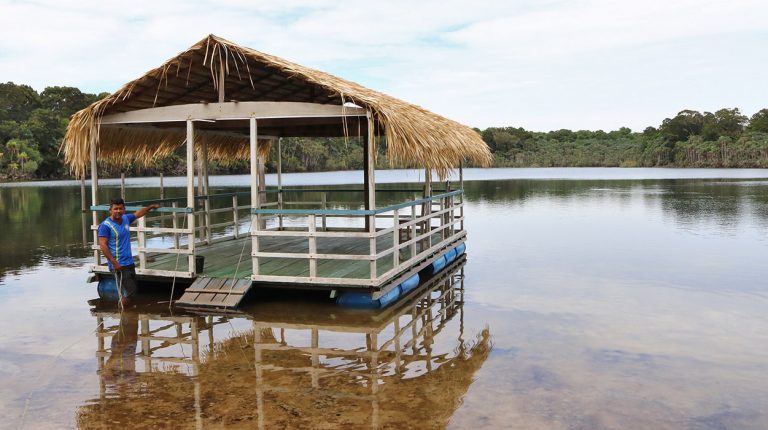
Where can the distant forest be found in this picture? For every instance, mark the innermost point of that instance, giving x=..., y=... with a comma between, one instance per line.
x=32, y=126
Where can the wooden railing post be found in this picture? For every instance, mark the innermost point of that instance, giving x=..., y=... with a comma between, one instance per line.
x=372, y=245
x=234, y=216
x=445, y=216
x=413, y=231
x=312, y=246
x=191, y=195
x=396, y=238
x=142, y=242
x=324, y=204
x=175, y=205
x=207, y=208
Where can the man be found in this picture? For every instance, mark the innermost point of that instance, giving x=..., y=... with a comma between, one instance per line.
x=115, y=243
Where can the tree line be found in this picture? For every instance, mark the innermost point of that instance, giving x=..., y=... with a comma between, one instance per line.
x=32, y=126
x=725, y=138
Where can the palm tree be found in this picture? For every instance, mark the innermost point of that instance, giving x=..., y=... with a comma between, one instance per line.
x=22, y=158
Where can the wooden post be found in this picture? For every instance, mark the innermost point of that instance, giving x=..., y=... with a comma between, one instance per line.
x=162, y=187
x=222, y=87
x=122, y=185
x=369, y=162
x=369, y=182
x=206, y=190
x=315, y=358
x=82, y=193
x=175, y=226
x=254, y=193
x=146, y=352
x=396, y=238
x=280, y=181
x=142, y=242
x=94, y=201
x=311, y=228
x=398, y=347
x=84, y=222
x=259, y=375
x=235, y=220
x=324, y=206
x=195, y=333
x=427, y=208
x=262, y=188
x=191, y=193
x=200, y=192
x=414, y=232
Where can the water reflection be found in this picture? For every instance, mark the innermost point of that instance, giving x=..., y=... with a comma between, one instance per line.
x=299, y=366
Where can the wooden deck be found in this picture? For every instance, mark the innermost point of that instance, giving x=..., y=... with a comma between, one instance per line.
x=232, y=258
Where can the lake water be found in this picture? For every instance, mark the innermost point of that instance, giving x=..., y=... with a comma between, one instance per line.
x=591, y=299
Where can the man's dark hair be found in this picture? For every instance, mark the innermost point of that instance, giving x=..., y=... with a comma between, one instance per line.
x=116, y=201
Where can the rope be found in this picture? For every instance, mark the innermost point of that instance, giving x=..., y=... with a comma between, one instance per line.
x=237, y=267
x=119, y=283
x=176, y=269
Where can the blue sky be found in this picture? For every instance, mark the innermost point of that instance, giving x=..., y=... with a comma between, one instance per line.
x=541, y=65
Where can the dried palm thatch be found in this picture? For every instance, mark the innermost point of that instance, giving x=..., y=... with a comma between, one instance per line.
x=414, y=136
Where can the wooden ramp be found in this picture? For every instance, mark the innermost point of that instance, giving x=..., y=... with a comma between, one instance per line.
x=209, y=292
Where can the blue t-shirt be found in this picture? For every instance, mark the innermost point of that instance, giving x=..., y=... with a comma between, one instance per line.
x=118, y=239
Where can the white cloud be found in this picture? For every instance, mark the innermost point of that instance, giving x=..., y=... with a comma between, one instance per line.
x=536, y=64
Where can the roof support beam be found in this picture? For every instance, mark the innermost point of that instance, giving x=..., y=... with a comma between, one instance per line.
x=231, y=111
x=369, y=170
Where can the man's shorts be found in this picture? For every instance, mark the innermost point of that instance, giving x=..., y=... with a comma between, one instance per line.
x=126, y=278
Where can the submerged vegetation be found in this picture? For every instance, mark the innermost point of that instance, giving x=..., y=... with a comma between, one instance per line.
x=32, y=125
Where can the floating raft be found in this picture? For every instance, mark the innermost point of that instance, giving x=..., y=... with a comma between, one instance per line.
x=210, y=292
x=366, y=300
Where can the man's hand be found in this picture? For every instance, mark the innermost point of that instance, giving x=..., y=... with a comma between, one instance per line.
x=143, y=211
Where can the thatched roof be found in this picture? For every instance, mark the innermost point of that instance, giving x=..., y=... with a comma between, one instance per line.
x=414, y=136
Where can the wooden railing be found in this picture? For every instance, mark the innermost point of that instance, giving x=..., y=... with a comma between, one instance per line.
x=177, y=230
x=403, y=233
x=413, y=230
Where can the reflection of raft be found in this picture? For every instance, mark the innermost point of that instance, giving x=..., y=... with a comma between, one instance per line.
x=364, y=300
x=295, y=366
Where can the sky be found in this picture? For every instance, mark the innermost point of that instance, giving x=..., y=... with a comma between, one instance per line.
x=541, y=65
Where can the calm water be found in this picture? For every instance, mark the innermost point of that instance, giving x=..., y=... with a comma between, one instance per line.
x=587, y=302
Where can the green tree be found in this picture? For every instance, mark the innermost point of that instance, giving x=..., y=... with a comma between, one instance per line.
x=759, y=121
x=17, y=101
x=685, y=124
x=724, y=122
x=65, y=101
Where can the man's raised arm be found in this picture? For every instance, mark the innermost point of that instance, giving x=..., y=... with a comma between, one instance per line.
x=143, y=211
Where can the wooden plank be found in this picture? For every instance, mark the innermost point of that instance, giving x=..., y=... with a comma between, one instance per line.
x=223, y=288
x=231, y=110
x=215, y=292
x=191, y=293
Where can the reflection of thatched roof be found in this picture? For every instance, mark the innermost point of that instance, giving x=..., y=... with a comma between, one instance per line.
x=414, y=136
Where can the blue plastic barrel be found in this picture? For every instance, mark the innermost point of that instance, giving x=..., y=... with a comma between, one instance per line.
x=357, y=300
x=410, y=283
x=461, y=248
x=450, y=255
x=438, y=264
x=107, y=289
x=389, y=297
